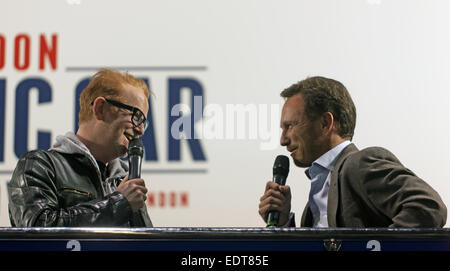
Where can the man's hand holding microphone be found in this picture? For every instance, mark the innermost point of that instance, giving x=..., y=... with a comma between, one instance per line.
x=275, y=204
x=132, y=186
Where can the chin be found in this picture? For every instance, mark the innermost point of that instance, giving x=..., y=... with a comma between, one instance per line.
x=299, y=163
x=122, y=150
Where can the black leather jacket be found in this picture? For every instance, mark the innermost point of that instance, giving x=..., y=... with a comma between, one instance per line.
x=54, y=189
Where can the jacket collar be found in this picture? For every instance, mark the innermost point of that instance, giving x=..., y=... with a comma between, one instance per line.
x=307, y=218
x=70, y=144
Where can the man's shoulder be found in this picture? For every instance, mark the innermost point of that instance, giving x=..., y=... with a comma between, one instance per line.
x=35, y=155
x=48, y=156
x=367, y=164
x=374, y=150
x=370, y=155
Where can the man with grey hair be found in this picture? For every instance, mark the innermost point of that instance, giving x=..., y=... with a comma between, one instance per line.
x=349, y=187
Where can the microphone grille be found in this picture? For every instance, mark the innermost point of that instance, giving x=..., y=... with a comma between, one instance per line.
x=135, y=147
x=281, y=165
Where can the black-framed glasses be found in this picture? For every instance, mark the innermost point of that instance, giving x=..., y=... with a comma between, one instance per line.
x=137, y=118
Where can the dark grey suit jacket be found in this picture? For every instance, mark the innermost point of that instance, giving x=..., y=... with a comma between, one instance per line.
x=371, y=188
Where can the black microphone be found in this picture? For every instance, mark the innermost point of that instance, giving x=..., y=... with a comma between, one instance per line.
x=135, y=154
x=280, y=173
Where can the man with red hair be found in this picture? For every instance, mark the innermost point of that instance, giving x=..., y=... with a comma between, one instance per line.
x=81, y=180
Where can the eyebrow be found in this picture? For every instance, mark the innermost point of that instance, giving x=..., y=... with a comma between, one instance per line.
x=284, y=123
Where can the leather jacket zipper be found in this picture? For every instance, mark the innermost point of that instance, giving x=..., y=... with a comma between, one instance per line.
x=78, y=192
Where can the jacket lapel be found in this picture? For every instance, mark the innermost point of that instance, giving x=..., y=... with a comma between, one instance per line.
x=333, y=192
x=307, y=218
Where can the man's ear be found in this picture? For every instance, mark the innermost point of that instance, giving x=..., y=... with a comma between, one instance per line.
x=98, y=108
x=327, y=122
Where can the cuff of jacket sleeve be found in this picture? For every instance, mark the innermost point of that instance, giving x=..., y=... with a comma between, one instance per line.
x=122, y=208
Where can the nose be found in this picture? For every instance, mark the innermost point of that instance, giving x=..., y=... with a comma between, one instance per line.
x=284, y=139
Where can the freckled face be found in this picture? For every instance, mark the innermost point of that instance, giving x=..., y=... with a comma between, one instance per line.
x=121, y=129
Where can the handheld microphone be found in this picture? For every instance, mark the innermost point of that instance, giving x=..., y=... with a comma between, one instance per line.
x=135, y=154
x=280, y=173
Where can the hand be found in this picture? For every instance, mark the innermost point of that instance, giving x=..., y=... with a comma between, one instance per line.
x=134, y=191
x=276, y=198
